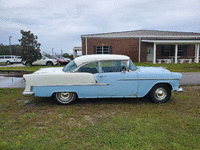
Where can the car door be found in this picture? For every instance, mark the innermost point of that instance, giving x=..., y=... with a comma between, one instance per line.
x=121, y=82
x=40, y=61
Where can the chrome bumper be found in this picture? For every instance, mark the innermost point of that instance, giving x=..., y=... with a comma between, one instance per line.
x=179, y=90
x=28, y=93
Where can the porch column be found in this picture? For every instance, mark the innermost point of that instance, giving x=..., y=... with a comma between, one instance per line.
x=139, y=50
x=74, y=53
x=176, y=53
x=197, y=57
x=154, y=53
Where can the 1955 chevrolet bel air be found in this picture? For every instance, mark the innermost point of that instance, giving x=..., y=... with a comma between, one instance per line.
x=102, y=76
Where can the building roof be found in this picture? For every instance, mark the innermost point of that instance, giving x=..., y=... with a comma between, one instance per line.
x=145, y=34
x=89, y=58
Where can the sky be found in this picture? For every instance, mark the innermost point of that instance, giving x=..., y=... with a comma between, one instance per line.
x=59, y=24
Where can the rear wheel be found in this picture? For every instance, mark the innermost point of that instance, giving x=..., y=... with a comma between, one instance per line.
x=8, y=63
x=28, y=64
x=49, y=63
x=65, y=97
x=160, y=93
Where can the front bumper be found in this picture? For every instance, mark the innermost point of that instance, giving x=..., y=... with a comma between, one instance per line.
x=28, y=93
x=179, y=90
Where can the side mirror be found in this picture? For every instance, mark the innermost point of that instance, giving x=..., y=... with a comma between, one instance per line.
x=123, y=69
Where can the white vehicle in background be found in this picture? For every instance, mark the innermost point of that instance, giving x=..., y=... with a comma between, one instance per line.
x=10, y=59
x=44, y=61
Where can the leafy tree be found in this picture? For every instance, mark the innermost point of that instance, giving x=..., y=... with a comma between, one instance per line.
x=5, y=49
x=66, y=55
x=30, y=48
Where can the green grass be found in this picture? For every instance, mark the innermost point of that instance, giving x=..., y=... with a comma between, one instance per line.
x=40, y=123
x=193, y=67
x=26, y=68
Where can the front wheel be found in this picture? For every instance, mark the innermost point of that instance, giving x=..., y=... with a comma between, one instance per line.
x=160, y=93
x=65, y=97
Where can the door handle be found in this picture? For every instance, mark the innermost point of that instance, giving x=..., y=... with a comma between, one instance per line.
x=102, y=76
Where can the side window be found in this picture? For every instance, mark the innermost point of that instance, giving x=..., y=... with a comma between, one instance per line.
x=90, y=68
x=132, y=66
x=113, y=66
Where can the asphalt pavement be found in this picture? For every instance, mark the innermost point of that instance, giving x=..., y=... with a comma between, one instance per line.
x=190, y=78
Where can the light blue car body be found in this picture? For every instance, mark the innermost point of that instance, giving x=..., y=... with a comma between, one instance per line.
x=134, y=84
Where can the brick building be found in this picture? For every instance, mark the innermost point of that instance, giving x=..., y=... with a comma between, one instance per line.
x=145, y=45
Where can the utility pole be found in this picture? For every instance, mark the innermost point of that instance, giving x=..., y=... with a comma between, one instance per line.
x=10, y=44
x=61, y=52
x=52, y=51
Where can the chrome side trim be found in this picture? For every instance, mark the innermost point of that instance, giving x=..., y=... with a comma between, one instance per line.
x=127, y=79
x=143, y=79
x=159, y=79
x=74, y=85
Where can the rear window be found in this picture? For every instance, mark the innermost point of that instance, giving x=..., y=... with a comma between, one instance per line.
x=70, y=67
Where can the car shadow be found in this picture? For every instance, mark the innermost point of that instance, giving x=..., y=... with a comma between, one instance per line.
x=97, y=101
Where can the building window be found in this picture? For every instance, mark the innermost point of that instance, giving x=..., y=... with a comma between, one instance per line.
x=182, y=50
x=102, y=49
x=166, y=50
x=169, y=50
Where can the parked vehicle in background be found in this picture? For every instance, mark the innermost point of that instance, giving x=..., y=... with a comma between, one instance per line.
x=63, y=61
x=10, y=59
x=44, y=61
x=102, y=76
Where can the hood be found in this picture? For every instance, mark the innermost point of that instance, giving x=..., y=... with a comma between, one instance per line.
x=49, y=70
x=153, y=69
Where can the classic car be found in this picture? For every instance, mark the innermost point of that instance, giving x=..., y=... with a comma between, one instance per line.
x=63, y=61
x=102, y=76
x=44, y=61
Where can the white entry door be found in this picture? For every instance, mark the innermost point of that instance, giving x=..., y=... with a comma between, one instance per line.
x=149, y=54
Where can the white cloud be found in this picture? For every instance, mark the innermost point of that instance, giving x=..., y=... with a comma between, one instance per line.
x=60, y=23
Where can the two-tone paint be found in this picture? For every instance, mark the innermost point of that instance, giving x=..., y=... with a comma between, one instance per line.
x=138, y=83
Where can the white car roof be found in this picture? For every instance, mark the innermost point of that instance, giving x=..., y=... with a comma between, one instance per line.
x=99, y=57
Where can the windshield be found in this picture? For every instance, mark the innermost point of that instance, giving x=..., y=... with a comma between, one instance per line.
x=132, y=66
x=70, y=67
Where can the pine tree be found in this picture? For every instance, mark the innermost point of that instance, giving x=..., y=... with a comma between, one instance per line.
x=30, y=48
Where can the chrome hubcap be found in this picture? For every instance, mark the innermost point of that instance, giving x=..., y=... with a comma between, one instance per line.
x=65, y=96
x=160, y=93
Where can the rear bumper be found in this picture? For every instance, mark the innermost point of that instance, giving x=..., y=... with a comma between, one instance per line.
x=179, y=90
x=28, y=93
